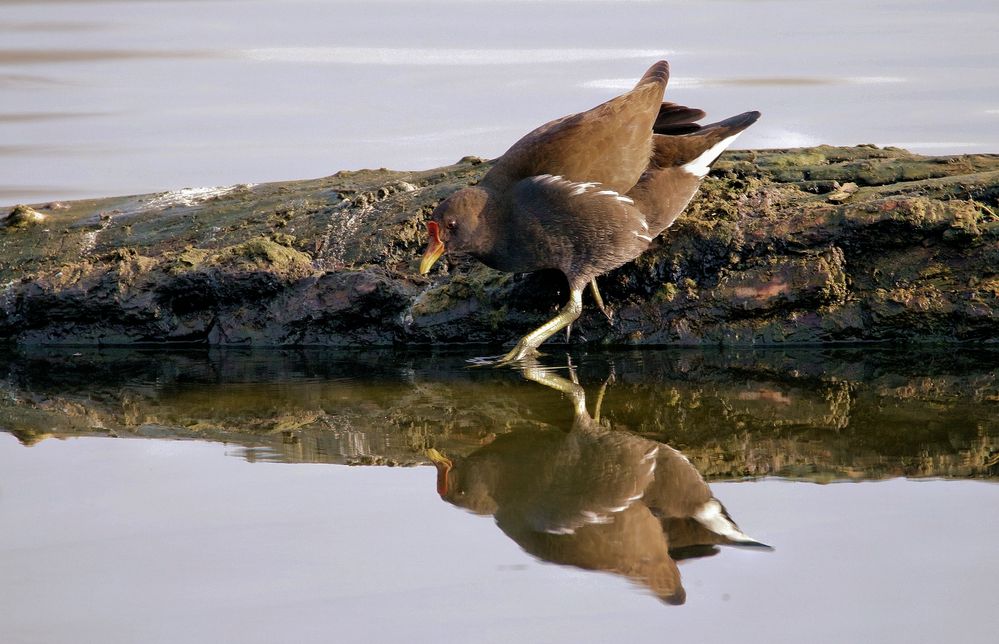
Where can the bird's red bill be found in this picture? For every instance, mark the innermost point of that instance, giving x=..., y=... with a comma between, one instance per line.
x=435, y=248
x=443, y=465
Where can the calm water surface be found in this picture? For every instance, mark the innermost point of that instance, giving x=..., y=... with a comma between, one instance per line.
x=206, y=496
x=135, y=96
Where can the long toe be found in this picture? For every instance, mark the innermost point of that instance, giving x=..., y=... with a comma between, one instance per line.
x=519, y=353
x=484, y=361
x=514, y=357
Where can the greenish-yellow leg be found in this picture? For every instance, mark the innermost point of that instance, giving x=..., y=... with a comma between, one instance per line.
x=532, y=371
x=529, y=344
x=599, y=300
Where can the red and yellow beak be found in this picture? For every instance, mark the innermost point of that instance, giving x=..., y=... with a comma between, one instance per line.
x=443, y=465
x=434, y=249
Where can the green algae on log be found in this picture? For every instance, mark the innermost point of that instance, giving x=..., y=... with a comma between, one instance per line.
x=805, y=246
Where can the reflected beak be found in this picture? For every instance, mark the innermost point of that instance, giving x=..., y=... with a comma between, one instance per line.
x=443, y=465
x=434, y=249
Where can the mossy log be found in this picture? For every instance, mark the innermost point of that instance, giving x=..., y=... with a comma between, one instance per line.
x=806, y=246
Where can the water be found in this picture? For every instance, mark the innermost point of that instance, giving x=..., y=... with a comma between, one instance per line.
x=138, y=96
x=204, y=496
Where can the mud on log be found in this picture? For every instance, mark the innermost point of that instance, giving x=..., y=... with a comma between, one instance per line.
x=812, y=245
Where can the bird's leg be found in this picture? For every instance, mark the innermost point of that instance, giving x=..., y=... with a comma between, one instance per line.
x=533, y=371
x=600, y=402
x=529, y=344
x=600, y=301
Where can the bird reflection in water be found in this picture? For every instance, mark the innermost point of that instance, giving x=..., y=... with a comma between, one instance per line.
x=593, y=497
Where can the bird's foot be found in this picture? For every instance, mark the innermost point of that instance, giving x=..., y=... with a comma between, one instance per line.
x=517, y=355
x=599, y=301
x=609, y=314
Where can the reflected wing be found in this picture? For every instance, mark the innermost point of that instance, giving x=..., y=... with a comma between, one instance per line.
x=591, y=478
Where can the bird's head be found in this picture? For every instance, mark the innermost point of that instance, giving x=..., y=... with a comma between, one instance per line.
x=469, y=488
x=455, y=225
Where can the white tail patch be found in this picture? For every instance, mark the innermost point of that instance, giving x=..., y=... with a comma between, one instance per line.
x=713, y=517
x=700, y=166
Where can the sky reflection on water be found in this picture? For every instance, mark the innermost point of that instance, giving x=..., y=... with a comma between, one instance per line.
x=157, y=540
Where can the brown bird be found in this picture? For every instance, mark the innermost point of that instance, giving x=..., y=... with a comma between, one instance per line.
x=592, y=497
x=584, y=194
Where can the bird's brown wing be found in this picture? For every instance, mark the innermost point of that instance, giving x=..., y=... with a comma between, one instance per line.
x=581, y=228
x=609, y=144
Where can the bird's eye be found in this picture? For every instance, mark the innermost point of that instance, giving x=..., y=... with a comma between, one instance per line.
x=452, y=224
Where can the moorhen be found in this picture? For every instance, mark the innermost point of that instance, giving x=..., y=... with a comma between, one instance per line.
x=583, y=194
x=594, y=497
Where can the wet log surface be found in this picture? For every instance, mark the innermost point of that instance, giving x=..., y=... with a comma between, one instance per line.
x=807, y=246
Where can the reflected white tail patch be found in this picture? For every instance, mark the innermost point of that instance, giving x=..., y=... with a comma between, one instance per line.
x=711, y=516
x=700, y=166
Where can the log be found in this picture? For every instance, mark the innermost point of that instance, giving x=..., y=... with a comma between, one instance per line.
x=803, y=246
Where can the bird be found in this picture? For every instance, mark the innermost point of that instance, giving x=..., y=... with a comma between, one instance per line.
x=593, y=497
x=583, y=194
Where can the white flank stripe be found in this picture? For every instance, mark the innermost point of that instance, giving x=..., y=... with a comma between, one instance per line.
x=593, y=517
x=700, y=166
x=610, y=193
x=560, y=531
x=641, y=236
x=627, y=200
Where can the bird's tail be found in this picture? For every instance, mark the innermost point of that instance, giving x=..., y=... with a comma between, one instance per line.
x=696, y=150
x=680, y=160
x=713, y=516
x=677, y=119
